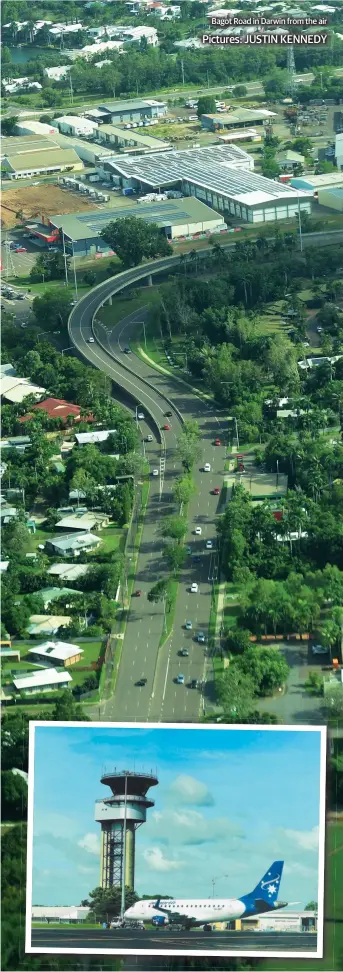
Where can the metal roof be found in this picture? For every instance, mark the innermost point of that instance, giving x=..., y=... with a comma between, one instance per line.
x=173, y=212
x=45, y=677
x=131, y=135
x=135, y=104
x=59, y=650
x=155, y=170
x=41, y=160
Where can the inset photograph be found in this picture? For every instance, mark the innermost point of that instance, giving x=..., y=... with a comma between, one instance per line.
x=177, y=840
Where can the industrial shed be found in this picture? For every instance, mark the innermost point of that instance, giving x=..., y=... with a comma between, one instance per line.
x=175, y=217
x=219, y=175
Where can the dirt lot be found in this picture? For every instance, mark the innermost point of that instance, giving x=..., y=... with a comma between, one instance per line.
x=32, y=201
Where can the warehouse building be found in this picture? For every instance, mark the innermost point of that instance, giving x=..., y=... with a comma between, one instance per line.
x=30, y=126
x=332, y=198
x=134, y=110
x=74, y=125
x=130, y=141
x=313, y=183
x=339, y=150
x=238, y=117
x=175, y=217
x=60, y=914
x=219, y=175
x=32, y=155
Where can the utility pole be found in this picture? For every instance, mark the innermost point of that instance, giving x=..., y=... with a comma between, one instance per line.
x=71, y=89
x=10, y=270
x=182, y=71
x=300, y=230
x=291, y=70
x=65, y=259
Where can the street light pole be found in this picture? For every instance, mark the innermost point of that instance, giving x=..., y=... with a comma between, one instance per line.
x=74, y=268
x=70, y=348
x=300, y=231
x=65, y=259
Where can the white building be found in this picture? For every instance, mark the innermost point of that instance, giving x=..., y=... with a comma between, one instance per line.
x=12, y=86
x=30, y=126
x=58, y=652
x=60, y=914
x=74, y=125
x=339, y=151
x=44, y=681
x=135, y=35
x=109, y=45
x=56, y=73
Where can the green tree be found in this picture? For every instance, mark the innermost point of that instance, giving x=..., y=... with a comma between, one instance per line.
x=105, y=903
x=265, y=666
x=14, y=796
x=52, y=309
x=174, y=555
x=240, y=91
x=238, y=640
x=183, y=490
x=8, y=125
x=174, y=526
x=133, y=239
x=235, y=691
x=158, y=592
x=311, y=906
x=66, y=710
x=206, y=105
x=49, y=266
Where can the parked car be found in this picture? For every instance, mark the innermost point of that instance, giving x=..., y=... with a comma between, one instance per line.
x=189, y=625
x=194, y=588
x=207, y=467
x=20, y=249
x=217, y=442
x=319, y=650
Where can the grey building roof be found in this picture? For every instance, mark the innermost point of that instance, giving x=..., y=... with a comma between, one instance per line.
x=134, y=104
x=75, y=541
x=88, y=225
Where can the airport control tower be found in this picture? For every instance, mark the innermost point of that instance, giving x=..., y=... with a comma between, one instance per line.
x=119, y=816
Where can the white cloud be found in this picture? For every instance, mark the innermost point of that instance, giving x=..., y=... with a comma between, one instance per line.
x=85, y=870
x=300, y=870
x=186, y=789
x=307, y=840
x=90, y=843
x=187, y=826
x=156, y=860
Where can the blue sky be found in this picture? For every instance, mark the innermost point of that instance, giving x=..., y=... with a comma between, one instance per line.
x=228, y=803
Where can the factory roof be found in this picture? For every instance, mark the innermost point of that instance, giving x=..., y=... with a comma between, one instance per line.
x=335, y=192
x=239, y=115
x=141, y=138
x=134, y=104
x=80, y=226
x=324, y=181
x=37, y=160
x=58, y=650
x=38, y=679
x=214, y=170
x=157, y=170
x=22, y=144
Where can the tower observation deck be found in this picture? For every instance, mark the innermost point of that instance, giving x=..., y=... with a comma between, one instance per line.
x=119, y=816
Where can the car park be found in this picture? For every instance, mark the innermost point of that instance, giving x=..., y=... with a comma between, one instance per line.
x=198, y=531
x=184, y=652
x=216, y=491
x=155, y=472
x=140, y=415
x=201, y=637
x=209, y=544
x=194, y=588
x=180, y=679
x=207, y=467
x=189, y=625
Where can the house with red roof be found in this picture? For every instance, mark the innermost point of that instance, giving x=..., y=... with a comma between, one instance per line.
x=57, y=408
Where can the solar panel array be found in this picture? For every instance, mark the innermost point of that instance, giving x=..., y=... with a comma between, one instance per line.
x=159, y=213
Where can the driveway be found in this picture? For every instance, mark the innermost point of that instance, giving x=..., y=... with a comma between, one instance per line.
x=295, y=705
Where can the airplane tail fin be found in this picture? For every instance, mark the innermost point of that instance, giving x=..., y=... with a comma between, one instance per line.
x=267, y=889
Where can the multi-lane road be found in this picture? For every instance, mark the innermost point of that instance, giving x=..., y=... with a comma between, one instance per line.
x=146, y=654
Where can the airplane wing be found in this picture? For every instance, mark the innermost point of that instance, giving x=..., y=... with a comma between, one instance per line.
x=172, y=915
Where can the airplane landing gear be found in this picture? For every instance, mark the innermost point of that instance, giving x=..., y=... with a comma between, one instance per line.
x=207, y=928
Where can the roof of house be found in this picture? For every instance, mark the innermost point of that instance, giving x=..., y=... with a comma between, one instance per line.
x=69, y=571
x=32, y=160
x=58, y=650
x=49, y=594
x=47, y=623
x=290, y=156
x=80, y=521
x=99, y=435
x=55, y=408
x=75, y=541
x=16, y=389
x=45, y=677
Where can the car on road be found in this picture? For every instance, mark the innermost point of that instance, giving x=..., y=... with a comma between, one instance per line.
x=166, y=427
x=194, y=588
x=217, y=442
x=306, y=344
x=155, y=472
x=91, y=340
x=20, y=296
x=196, y=558
x=201, y=637
x=168, y=414
x=193, y=683
x=140, y=415
x=142, y=681
x=209, y=544
x=189, y=625
x=149, y=438
x=319, y=330
x=216, y=491
x=198, y=531
x=20, y=249
x=184, y=652
x=207, y=467
x=189, y=549
x=127, y=351
x=137, y=594
x=319, y=650
x=180, y=679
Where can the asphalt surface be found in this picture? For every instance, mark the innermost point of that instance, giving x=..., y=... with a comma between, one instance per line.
x=164, y=941
x=161, y=697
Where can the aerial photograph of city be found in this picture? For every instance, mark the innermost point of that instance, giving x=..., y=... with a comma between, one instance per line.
x=171, y=473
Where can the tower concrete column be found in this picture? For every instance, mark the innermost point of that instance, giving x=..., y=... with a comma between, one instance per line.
x=120, y=815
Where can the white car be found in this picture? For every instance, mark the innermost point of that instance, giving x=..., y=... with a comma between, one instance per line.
x=91, y=340
x=319, y=650
x=194, y=588
x=140, y=415
x=198, y=531
x=149, y=438
x=207, y=467
x=155, y=472
x=209, y=544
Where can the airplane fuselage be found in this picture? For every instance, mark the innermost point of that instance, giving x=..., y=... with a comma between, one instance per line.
x=197, y=911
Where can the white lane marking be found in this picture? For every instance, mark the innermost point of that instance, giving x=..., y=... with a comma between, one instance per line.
x=165, y=680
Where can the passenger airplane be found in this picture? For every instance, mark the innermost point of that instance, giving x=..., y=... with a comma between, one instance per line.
x=202, y=911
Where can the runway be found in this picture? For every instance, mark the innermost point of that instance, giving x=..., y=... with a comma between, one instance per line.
x=179, y=942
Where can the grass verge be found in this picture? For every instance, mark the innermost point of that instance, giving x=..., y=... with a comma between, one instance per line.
x=170, y=615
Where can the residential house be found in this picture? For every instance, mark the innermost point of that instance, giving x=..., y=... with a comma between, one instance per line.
x=50, y=594
x=83, y=521
x=69, y=572
x=95, y=437
x=60, y=653
x=72, y=544
x=47, y=624
x=16, y=389
x=58, y=408
x=44, y=681
x=7, y=513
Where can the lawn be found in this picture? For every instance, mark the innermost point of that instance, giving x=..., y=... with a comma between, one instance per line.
x=123, y=305
x=111, y=539
x=333, y=925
